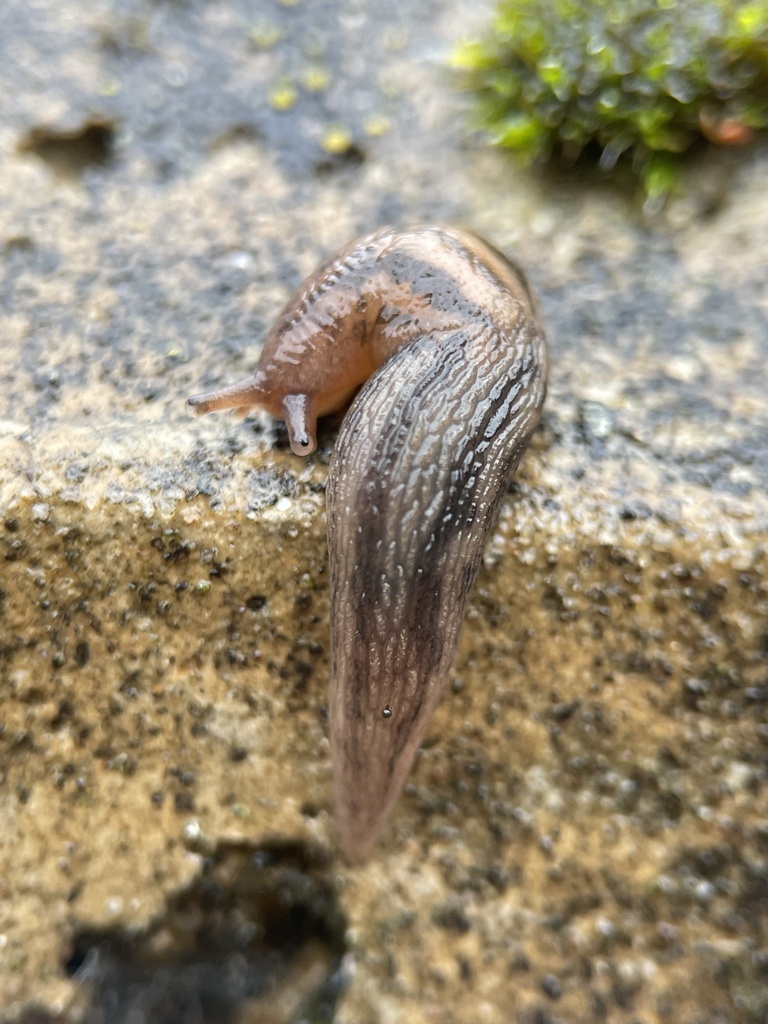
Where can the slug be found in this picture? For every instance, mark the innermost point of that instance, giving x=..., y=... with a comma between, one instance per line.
x=442, y=332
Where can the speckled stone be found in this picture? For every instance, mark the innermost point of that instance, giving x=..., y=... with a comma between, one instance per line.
x=584, y=834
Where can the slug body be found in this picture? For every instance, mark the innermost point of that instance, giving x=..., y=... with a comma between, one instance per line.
x=444, y=330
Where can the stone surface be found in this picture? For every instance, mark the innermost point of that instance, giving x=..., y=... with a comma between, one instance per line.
x=584, y=835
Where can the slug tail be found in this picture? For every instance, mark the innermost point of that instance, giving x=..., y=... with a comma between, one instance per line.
x=420, y=467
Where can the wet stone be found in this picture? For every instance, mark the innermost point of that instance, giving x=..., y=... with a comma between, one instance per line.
x=587, y=813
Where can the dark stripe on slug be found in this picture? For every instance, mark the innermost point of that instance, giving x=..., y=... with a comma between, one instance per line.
x=421, y=542
x=423, y=277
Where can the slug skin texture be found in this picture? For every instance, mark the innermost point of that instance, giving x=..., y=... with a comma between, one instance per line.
x=441, y=331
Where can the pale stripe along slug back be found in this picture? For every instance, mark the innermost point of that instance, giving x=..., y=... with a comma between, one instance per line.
x=445, y=332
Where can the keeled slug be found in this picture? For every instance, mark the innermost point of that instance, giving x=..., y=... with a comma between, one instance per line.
x=444, y=330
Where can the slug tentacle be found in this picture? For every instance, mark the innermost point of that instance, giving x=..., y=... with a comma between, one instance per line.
x=301, y=423
x=242, y=395
x=444, y=330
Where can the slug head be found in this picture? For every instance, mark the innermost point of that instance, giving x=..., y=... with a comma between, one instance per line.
x=297, y=410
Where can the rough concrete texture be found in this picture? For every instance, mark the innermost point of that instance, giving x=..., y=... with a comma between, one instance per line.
x=585, y=835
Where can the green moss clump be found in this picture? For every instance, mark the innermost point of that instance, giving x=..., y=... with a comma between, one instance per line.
x=634, y=80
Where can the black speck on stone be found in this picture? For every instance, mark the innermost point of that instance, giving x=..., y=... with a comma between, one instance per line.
x=452, y=918
x=554, y=922
x=498, y=877
x=184, y=803
x=541, y=1015
x=563, y=710
x=693, y=691
x=636, y=510
x=551, y=986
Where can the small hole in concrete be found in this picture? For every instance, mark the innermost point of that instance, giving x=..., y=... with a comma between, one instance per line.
x=328, y=163
x=258, y=936
x=69, y=153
